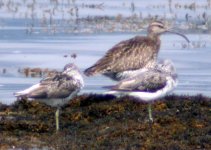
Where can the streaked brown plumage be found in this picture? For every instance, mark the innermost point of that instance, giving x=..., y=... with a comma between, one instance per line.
x=131, y=55
x=142, y=51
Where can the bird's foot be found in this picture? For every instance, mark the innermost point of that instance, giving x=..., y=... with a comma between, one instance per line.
x=57, y=119
x=151, y=119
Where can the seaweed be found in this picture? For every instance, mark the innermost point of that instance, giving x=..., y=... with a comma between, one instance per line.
x=94, y=121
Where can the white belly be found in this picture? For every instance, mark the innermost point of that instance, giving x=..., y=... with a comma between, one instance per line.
x=148, y=96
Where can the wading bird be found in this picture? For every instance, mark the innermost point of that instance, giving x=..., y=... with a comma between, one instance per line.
x=56, y=90
x=130, y=57
x=148, y=86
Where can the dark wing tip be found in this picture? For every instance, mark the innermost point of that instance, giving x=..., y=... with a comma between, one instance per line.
x=20, y=96
x=17, y=94
x=89, y=71
x=110, y=87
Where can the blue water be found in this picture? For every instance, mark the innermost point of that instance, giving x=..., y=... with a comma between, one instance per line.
x=192, y=64
x=18, y=49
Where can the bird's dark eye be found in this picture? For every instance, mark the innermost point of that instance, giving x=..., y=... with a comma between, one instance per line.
x=160, y=26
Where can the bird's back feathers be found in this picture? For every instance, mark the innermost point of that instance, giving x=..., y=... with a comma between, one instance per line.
x=145, y=82
x=57, y=86
x=130, y=54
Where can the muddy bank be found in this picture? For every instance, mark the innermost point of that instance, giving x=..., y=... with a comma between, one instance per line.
x=104, y=122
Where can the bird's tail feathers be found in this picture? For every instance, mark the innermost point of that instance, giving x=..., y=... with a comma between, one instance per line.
x=20, y=95
x=90, y=71
x=96, y=69
x=25, y=92
x=108, y=87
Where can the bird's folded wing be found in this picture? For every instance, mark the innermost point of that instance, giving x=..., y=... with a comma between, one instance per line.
x=121, y=57
x=63, y=87
x=38, y=93
x=59, y=87
x=51, y=77
x=147, y=82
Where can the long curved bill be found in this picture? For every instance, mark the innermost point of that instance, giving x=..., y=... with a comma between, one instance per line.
x=182, y=35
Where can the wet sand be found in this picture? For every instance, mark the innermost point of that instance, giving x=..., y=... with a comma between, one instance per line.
x=105, y=122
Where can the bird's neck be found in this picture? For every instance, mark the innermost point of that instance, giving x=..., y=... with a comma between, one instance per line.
x=153, y=36
x=155, y=39
x=79, y=79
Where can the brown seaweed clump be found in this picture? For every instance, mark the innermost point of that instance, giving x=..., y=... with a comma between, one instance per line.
x=106, y=122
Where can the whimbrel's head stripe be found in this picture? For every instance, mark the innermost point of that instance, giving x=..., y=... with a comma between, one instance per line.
x=158, y=27
x=157, y=23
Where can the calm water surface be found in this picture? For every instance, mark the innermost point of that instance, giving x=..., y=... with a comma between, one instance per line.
x=192, y=64
x=20, y=50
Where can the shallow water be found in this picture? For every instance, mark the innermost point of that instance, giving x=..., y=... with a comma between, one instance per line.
x=192, y=64
x=19, y=50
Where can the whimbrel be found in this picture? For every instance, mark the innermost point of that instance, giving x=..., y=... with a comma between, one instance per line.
x=150, y=85
x=131, y=56
x=56, y=90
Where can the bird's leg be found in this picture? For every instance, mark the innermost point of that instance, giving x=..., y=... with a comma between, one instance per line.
x=57, y=119
x=150, y=112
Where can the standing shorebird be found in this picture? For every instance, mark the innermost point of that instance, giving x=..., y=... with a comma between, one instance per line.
x=150, y=85
x=132, y=56
x=56, y=90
